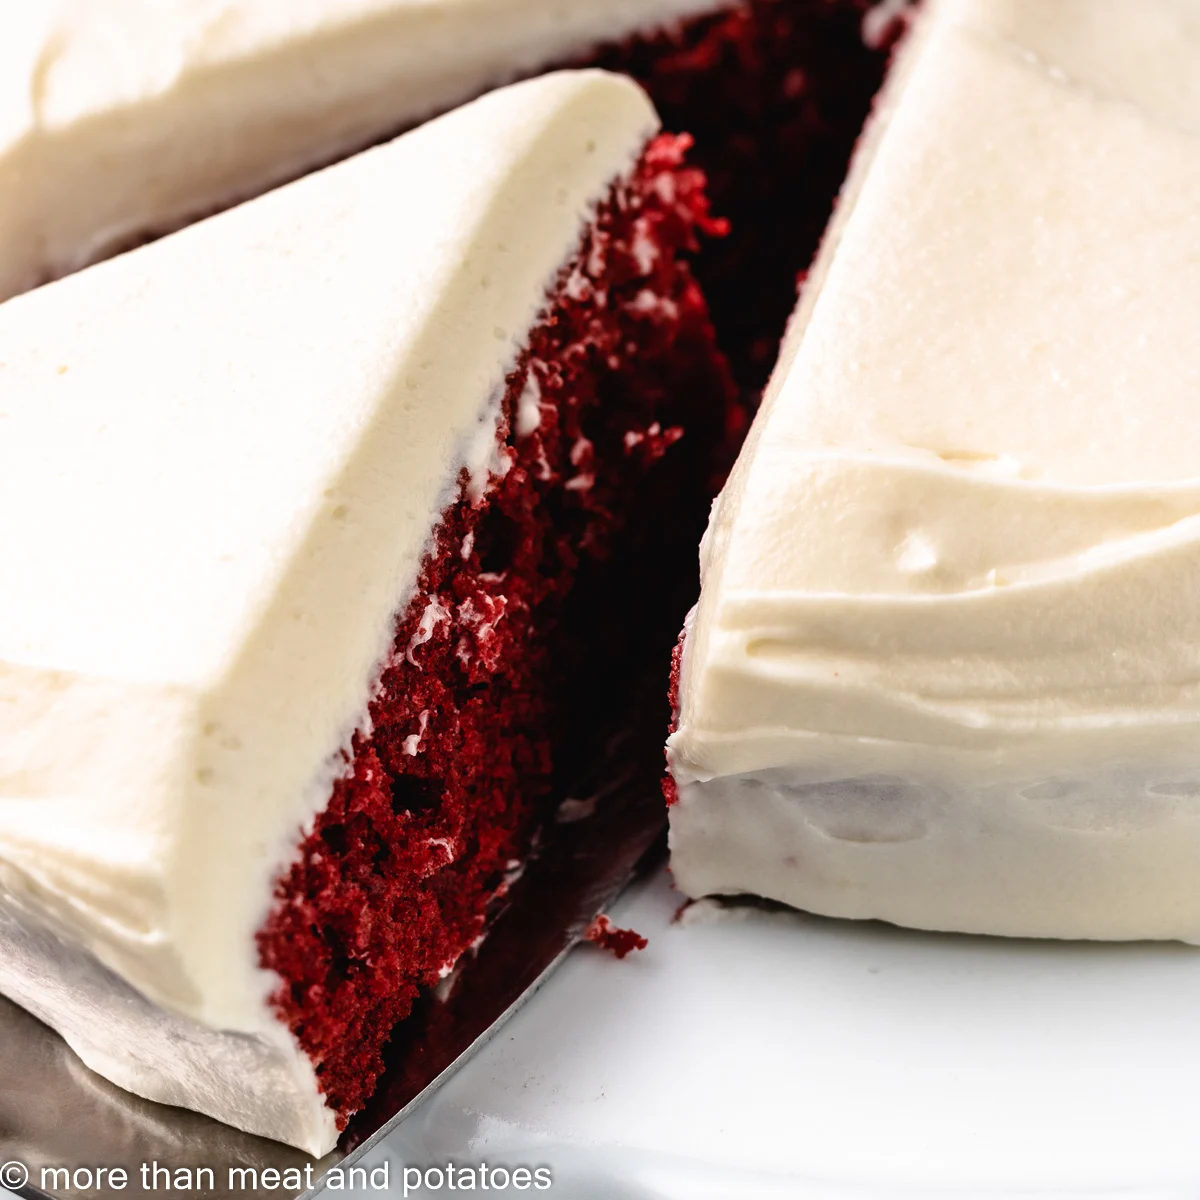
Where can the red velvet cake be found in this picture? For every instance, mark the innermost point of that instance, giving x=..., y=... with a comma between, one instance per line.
x=298, y=622
x=944, y=670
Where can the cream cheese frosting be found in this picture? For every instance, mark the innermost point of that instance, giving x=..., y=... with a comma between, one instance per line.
x=945, y=668
x=123, y=118
x=221, y=459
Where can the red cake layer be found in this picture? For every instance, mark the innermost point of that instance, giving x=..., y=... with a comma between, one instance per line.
x=669, y=787
x=440, y=800
x=775, y=93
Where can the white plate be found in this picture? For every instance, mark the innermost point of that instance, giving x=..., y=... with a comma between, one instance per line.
x=751, y=1055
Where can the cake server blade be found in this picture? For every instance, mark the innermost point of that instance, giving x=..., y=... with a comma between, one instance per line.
x=610, y=829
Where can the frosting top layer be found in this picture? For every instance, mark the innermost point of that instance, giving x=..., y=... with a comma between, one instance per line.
x=120, y=118
x=968, y=515
x=221, y=459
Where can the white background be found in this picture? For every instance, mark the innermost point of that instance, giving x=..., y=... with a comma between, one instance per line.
x=756, y=1055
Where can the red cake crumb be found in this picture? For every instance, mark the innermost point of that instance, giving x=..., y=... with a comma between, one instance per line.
x=673, y=678
x=524, y=601
x=670, y=789
x=617, y=941
x=775, y=93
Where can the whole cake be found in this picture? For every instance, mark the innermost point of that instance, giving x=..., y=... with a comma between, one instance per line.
x=121, y=119
x=296, y=510
x=945, y=667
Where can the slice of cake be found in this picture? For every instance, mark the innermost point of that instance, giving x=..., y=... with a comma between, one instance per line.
x=304, y=513
x=121, y=120
x=945, y=669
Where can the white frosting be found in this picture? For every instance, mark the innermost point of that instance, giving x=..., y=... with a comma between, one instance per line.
x=125, y=117
x=221, y=458
x=953, y=583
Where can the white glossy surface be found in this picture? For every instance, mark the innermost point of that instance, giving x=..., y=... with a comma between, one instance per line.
x=960, y=555
x=766, y=1056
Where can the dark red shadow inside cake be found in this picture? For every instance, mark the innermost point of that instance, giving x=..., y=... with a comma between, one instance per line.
x=775, y=93
x=531, y=608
